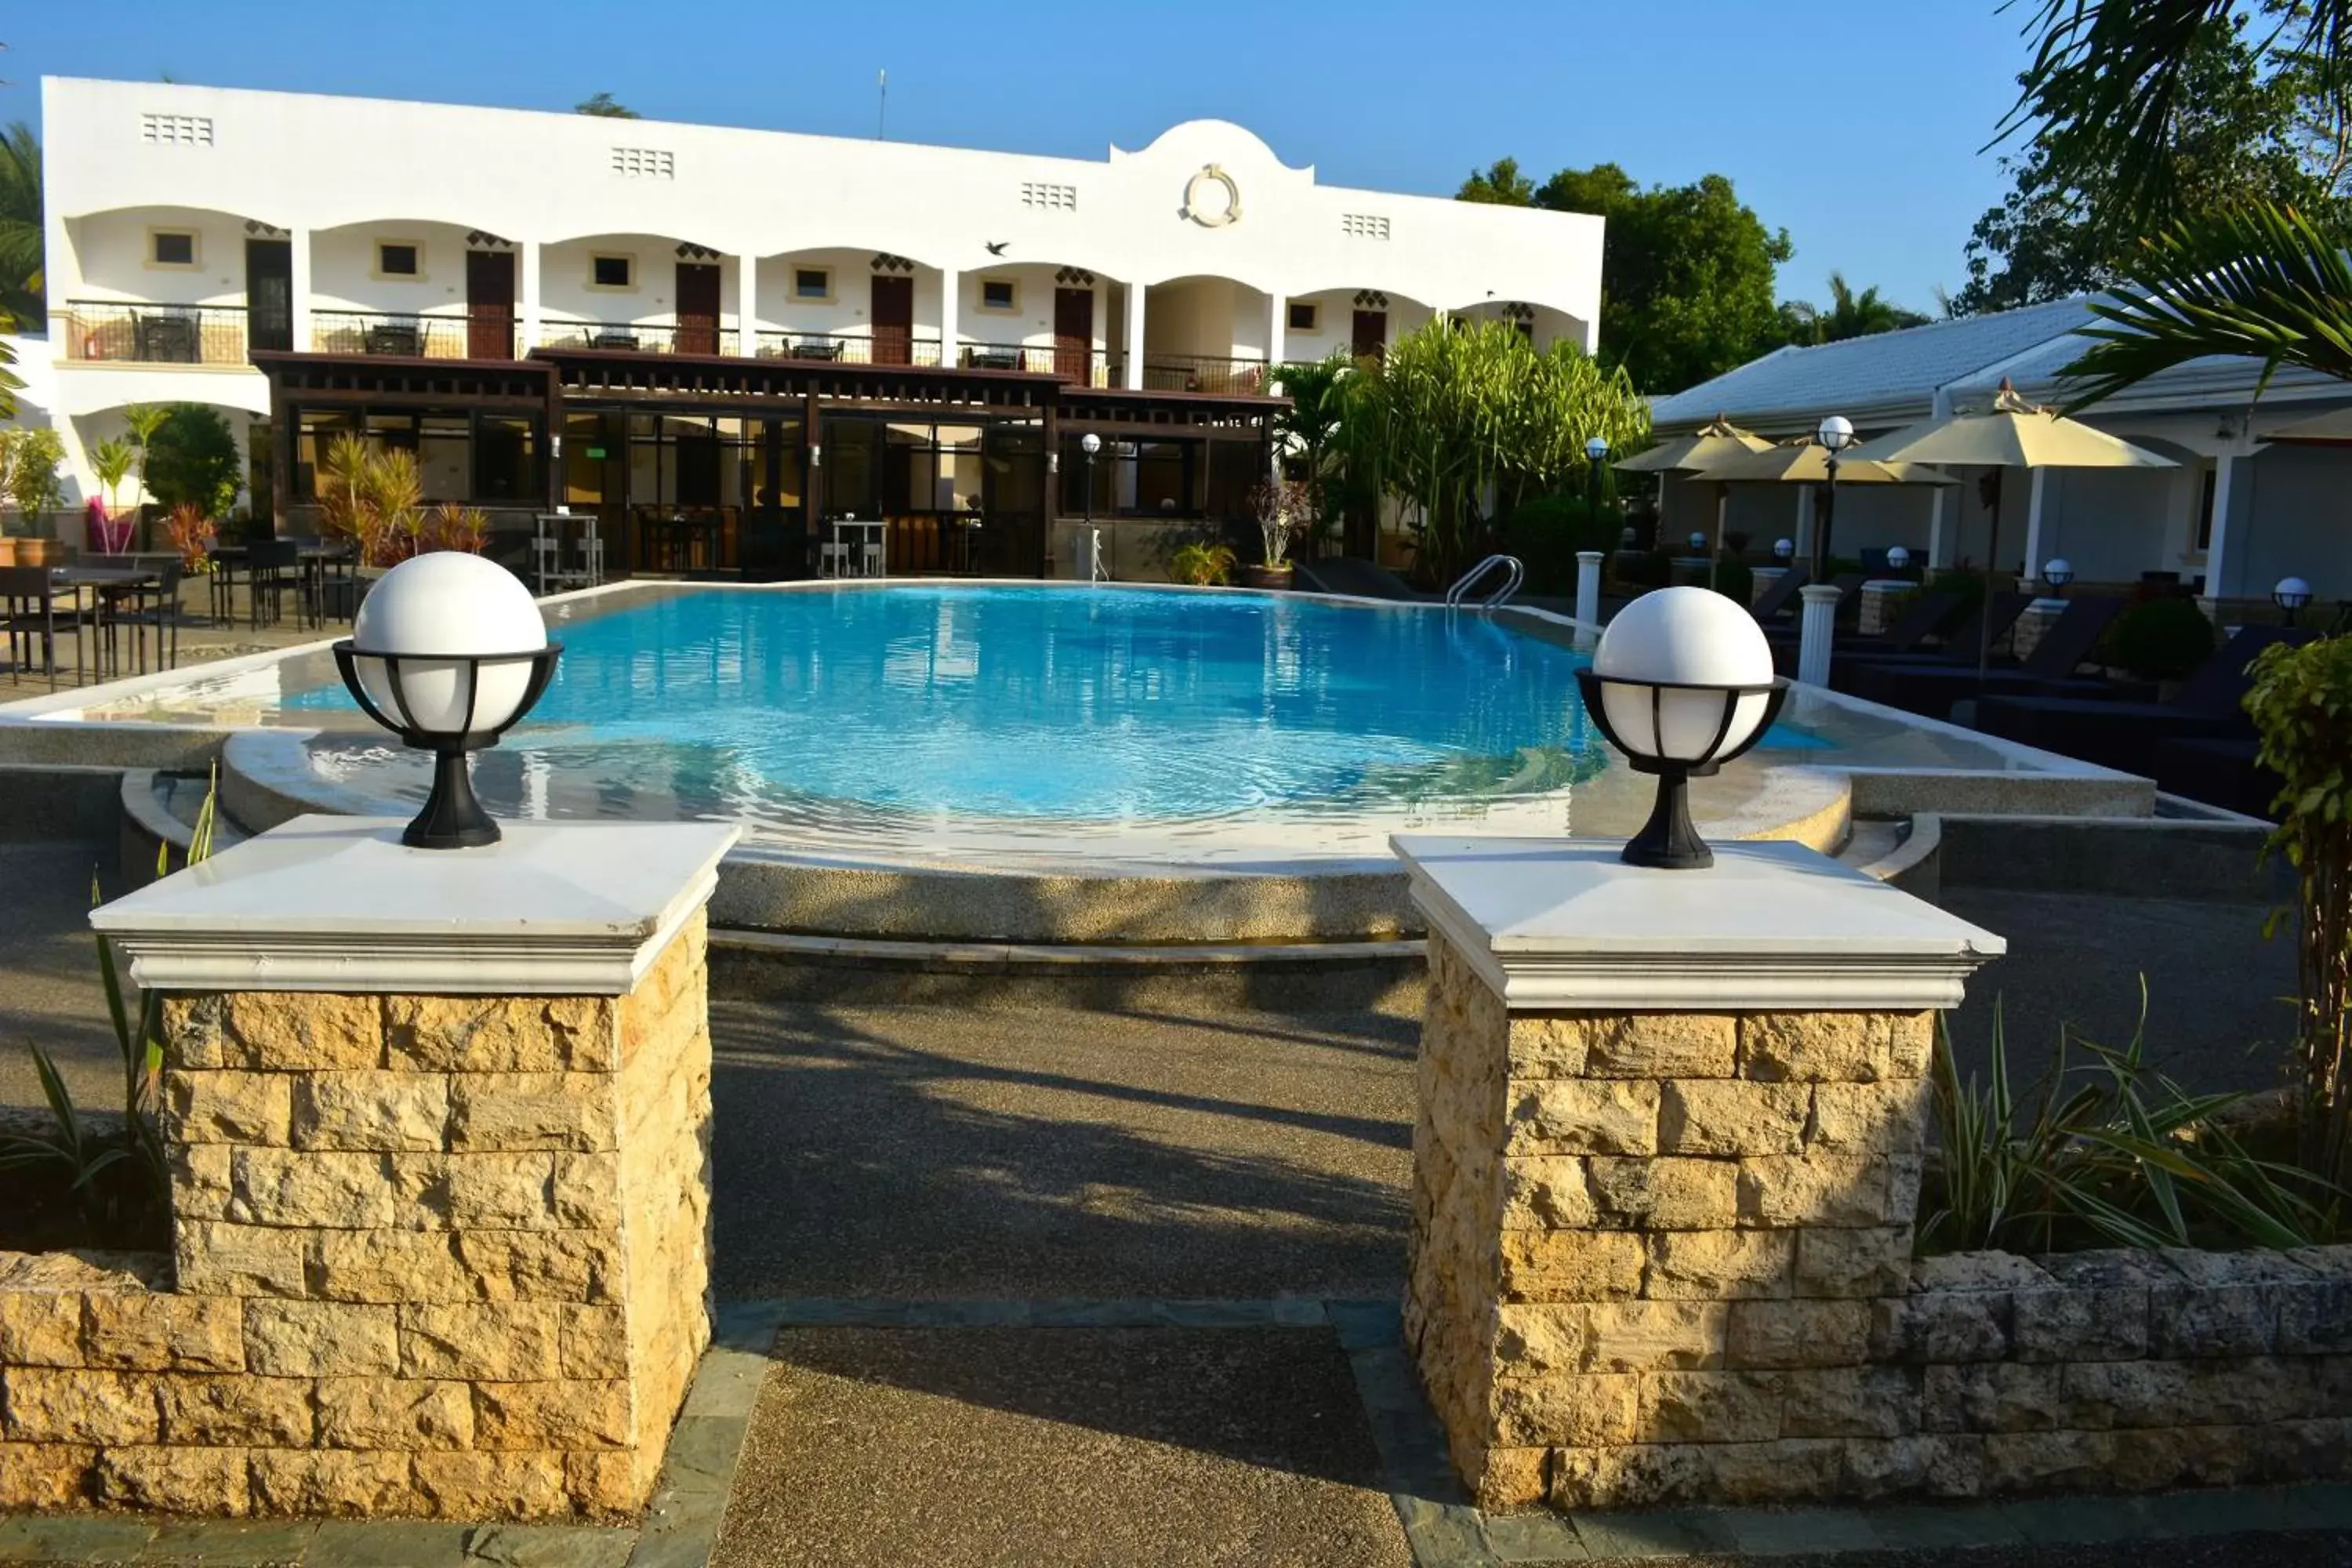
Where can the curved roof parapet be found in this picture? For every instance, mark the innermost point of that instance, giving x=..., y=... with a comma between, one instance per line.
x=1210, y=140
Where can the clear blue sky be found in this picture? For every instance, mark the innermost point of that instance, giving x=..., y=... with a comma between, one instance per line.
x=1863, y=144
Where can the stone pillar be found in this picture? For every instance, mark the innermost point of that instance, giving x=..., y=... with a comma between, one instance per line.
x=1136, y=293
x=1277, y=325
x=1588, y=589
x=1939, y=536
x=1816, y=632
x=2032, y=624
x=2232, y=508
x=2039, y=546
x=1882, y=598
x=1765, y=576
x=1665, y=1158
x=439, y=1132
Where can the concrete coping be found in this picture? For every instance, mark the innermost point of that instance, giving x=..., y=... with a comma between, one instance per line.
x=1770, y=927
x=332, y=903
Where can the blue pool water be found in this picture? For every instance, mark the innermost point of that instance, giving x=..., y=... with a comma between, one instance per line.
x=1032, y=703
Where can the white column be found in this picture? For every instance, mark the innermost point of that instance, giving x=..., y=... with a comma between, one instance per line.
x=2232, y=488
x=298, y=250
x=1803, y=539
x=747, y=306
x=527, y=265
x=2033, y=527
x=1277, y=321
x=1588, y=589
x=951, y=314
x=1817, y=631
x=1940, y=538
x=1135, y=293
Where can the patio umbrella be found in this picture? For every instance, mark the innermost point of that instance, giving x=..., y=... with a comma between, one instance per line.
x=1804, y=461
x=2011, y=433
x=1717, y=441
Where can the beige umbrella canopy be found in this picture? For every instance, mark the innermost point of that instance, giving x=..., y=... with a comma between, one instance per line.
x=2011, y=433
x=1806, y=462
x=1693, y=453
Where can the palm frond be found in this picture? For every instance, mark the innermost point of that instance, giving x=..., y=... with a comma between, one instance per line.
x=2260, y=282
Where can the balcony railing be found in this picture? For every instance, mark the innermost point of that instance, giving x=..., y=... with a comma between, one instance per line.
x=1204, y=373
x=1088, y=367
x=882, y=347
x=154, y=334
x=396, y=336
x=637, y=337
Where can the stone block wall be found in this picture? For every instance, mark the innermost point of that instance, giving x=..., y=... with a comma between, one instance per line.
x=1667, y=1257
x=439, y=1256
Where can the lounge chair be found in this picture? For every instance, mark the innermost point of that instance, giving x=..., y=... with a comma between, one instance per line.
x=2048, y=670
x=1780, y=596
x=2125, y=735
x=1845, y=583
x=1957, y=647
x=2221, y=772
x=1917, y=621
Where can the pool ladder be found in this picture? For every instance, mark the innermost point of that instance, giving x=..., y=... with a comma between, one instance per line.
x=1514, y=575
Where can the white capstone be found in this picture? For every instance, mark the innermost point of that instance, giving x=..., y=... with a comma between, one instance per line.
x=1566, y=925
x=338, y=903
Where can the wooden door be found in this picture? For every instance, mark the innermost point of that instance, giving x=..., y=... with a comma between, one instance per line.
x=1372, y=337
x=698, y=307
x=490, y=304
x=269, y=294
x=1073, y=334
x=893, y=316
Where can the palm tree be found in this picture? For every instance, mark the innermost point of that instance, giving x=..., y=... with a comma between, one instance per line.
x=1853, y=315
x=2264, y=280
x=21, y=296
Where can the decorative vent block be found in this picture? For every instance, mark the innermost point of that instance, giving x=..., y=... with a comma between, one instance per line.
x=1364, y=225
x=1049, y=197
x=176, y=129
x=644, y=163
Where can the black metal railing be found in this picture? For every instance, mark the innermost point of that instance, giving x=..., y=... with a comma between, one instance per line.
x=389, y=335
x=154, y=334
x=883, y=346
x=638, y=337
x=1088, y=367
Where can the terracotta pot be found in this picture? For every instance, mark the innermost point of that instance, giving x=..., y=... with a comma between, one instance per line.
x=1265, y=577
x=8, y=552
x=40, y=552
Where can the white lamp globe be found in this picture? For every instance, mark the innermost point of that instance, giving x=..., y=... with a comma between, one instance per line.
x=1898, y=558
x=2292, y=593
x=1091, y=442
x=1596, y=448
x=1782, y=549
x=1836, y=433
x=1682, y=637
x=2058, y=571
x=1698, y=542
x=436, y=611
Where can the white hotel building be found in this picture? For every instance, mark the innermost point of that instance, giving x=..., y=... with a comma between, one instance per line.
x=753, y=328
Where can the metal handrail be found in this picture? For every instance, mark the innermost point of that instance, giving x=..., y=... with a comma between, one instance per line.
x=1514, y=575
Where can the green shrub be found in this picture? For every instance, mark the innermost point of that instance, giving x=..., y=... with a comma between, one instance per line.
x=2302, y=706
x=1736, y=579
x=1649, y=569
x=1963, y=582
x=2161, y=639
x=1547, y=532
x=193, y=461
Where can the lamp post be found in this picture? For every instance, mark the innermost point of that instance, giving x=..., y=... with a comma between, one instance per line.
x=1898, y=560
x=1596, y=451
x=447, y=652
x=2058, y=572
x=1836, y=435
x=1682, y=683
x=1784, y=551
x=1091, y=444
x=2291, y=596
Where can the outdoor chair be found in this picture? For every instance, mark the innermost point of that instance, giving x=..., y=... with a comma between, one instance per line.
x=1959, y=646
x=2049, y=671
x=1780, y=596
x=397, y=340
x=992, y=359
x=164, y=339
x=1791, y=631
x=331, y=585
x=142, y=608
x=2125, y=735
x=614, y=338
x=31, y=614
x=273, y=569
x=825, y=349
x=2221, y=772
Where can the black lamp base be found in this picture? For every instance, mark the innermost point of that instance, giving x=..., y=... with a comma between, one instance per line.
x=1669, y=841
x=452, y=818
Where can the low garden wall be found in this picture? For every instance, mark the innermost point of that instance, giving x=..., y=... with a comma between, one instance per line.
x=1666, y=1257
x=433, y=1255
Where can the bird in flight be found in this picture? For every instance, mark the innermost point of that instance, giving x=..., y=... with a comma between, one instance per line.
x=995, y=247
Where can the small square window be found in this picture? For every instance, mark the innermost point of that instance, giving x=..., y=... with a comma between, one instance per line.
x=397, y=259
x=1305, y=317
x=811, y=283
x=174, y=247
x=610, y=271
x=997, y=294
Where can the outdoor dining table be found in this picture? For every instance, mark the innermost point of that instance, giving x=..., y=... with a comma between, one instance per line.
x=106, y=586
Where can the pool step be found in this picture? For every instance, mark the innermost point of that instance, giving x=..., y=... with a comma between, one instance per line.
x=161, y=808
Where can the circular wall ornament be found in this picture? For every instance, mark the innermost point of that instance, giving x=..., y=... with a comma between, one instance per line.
x=1211, y=199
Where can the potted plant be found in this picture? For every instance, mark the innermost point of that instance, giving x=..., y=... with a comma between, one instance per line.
x=1285, y=512
x=111, y=461
x=31, y=461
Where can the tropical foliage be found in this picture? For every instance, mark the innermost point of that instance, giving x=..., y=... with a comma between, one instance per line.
x=2104, y=1151
x=1202, y=564
x=1850, y=315
x=21, y=287
x=374, y=495
x=1284, y=509
x=192, y=534
x=1305, y=434
x=1457, y=418
x=188, y=456
x=30, y=458
x=2301, y=707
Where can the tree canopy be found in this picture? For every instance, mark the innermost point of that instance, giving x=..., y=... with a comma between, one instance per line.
x=192, y=460
x=603, y=107
x=20, y=226
x=1687, y=272
x=2238, y=129
x=1849, y=315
